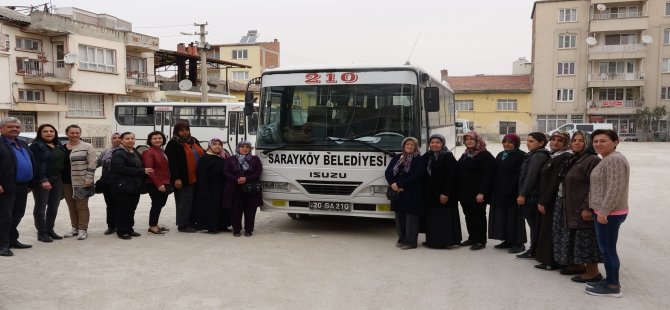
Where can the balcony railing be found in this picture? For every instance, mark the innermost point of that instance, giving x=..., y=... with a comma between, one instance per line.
x=57, y=71
x=140, y=79
x=616, y=76
x=617, y=15
x=627, y=48
x=636, y=103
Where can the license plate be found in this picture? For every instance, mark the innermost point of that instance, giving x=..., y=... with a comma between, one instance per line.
x=330, y=206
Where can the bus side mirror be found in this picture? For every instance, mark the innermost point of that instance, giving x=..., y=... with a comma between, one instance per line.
x=248, y=103
x=431, y=99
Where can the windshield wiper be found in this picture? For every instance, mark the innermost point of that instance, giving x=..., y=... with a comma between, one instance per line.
x=362, y=142
x=275, y=149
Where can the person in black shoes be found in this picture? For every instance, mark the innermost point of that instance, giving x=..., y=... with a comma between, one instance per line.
x=17, y=172
x=476, y=170
x=126, y=178
x=48, y=189
x=505, y=219
x=208, y=208
x=559, y=146
x=240, y=169
x=104, y=160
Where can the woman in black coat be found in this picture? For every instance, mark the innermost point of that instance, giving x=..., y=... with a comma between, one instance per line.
x=476, y=170
x=239, y=169
x=126, y=177
x=208, y=208
x=443, y=221
x=405, y=174
x=505, y=219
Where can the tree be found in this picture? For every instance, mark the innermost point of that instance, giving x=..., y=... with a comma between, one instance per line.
x=646, y=117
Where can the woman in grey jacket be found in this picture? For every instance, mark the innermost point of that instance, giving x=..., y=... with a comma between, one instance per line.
x=529, y=185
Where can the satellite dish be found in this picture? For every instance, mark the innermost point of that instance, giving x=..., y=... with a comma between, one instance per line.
x=591, y=41
x=647, y=39
x=70, y=58
x=601, y=7
x=185, y=84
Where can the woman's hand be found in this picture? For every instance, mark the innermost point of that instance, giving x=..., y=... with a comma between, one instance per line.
x=149, y=171
x=587, y=215
x=602, y=219
x=444, y=199
x=241, y=180
x=46, y=185
x=162, y=189
x=541, y=209
x=88, y=183
x=521, y=200
x=177, y=184
x=395, y=187
x=479, y=198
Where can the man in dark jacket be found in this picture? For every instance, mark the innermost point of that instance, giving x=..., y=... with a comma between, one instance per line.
x=17, y=171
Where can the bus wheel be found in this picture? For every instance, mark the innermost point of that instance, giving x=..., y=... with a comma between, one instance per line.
x=297, y=216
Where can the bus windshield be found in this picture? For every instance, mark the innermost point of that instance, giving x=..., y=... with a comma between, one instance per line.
x=315, y=116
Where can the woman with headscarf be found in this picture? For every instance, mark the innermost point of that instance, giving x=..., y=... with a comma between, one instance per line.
x=240, y=169
x=559, y=146
x=208, y=209
x=404, y=175
x=476, y=170
x=575, y=244
x=505, y=219
x=529, y=185
x=183, y=152
x=443, y=222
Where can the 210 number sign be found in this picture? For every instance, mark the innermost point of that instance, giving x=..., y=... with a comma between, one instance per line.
x=331, y=78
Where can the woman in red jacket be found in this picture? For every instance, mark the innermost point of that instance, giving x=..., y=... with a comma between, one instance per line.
x=158, y=184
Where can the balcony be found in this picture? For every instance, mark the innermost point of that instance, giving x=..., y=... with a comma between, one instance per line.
x=596, y=2
x=139, y=81
x=628, y=51
x=626, y=21
x=610, y=107
x=56, y=75
x=616, y=79
x=137, y=42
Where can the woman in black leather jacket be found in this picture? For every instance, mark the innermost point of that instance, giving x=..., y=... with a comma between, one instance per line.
x=125, y=180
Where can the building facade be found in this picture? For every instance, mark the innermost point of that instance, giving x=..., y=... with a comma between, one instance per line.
x=258, y=55
x=496, y=104
x=600, y=61
x=69, y=66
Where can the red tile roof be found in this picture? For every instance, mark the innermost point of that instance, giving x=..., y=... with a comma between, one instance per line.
x=490, y=84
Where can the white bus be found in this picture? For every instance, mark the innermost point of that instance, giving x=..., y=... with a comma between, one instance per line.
x=326, y=134
x=225, y=121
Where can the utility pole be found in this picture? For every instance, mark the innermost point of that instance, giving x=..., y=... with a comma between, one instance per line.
x=204, y=88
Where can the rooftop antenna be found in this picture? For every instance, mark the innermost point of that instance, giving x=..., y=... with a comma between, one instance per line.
x=412, y=51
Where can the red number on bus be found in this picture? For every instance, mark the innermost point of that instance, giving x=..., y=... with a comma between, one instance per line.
x=312, y=78
x=349, y=77
x=330, y=78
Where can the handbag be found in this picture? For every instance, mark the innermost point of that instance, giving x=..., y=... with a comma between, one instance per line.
x=81, y=192
x=392, y=195
x=252, y=187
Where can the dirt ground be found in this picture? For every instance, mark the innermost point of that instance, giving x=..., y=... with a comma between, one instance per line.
x=327, y=262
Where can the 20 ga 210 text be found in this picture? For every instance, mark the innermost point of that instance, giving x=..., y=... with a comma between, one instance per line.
x=331, y=78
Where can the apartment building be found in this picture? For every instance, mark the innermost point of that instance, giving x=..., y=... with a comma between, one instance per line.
x=68, y=66
x=496, y=104
x=249, y=51
x=600, y=61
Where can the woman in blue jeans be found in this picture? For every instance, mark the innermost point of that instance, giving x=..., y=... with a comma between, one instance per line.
x=608, y=197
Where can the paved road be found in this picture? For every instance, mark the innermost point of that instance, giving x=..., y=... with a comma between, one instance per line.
x=327, y=262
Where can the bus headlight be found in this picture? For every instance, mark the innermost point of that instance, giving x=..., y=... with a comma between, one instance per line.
x=269, y=186
x=379, y=189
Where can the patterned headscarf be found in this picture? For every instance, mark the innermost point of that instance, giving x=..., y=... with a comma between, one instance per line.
x=244, y=160
x=209, y=148
x=406, y=158
x=437, y=154
x=480, y=145
x=566, y=140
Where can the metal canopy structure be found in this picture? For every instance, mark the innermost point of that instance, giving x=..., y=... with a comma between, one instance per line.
x=164, y=58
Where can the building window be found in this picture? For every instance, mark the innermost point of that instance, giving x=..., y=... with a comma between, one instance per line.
x=567, y=40
x=240, y=75
x=567, y=15
x=27, y=65
x=465, y=105
x=97, y=59
x=507, y=127
x=240, y=54
x=132, y=99
x=546, y=123
x=85, y=105
x=576, y=118
x=667, y=8
x=506, y=105
x=26, y=44
x=136, y=65
x=4, y=42
x=566, y=68
x=31, y=95
x=565, y=95
x=665, y=65
x=666, y=36
x=621, y=39
x=665, y=92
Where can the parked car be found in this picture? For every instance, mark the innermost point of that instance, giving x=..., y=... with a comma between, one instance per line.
x=570, y=128
x=28, y=137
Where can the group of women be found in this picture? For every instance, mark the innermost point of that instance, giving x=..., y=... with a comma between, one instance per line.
x=573, y=197
x=207, y=184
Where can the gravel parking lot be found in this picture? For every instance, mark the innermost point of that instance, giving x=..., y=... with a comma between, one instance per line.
x=327, y=262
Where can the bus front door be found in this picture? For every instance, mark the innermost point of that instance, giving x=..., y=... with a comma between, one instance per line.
x=164, y=123
x=236, y=129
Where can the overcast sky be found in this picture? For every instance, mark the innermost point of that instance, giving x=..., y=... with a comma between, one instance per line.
x=466, y=37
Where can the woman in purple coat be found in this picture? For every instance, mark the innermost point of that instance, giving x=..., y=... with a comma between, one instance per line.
x=239, y=170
